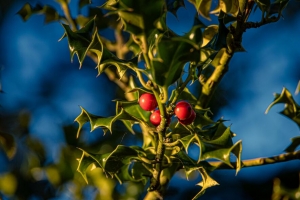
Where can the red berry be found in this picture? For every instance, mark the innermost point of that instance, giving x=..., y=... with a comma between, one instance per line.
x=183, y=110
x=188, y=120
x=147, y=102
x=155, y=118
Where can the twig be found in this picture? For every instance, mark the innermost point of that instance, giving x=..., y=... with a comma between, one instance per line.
x=66, y=10
x=260, y=161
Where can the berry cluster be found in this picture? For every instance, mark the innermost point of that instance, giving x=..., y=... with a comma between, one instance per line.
x=183, y=110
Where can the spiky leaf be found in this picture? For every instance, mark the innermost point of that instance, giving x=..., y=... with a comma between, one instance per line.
x=291, y=109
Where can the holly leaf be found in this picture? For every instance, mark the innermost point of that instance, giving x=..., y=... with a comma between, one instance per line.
x=229, y=7
x=86, y=40
x=202, y=120
x=115, y=163
x=50, y=13
x=206, y=182
x=263, y=5
x=84, y=162
x=223, y=154
x=203, y=7
x=8, y=144
x=101, y=21
x=209, y=33
x=136, y=19
x=98, y=121
x=189, y=165
x=184, y=95
x=291, y=109
x=172, y=54
x=133, y=109
x=187, y=140
x=295, y=143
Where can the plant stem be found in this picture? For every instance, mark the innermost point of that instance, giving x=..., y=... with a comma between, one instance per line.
x=212, y=82
x=260, y=161
x=66, y=10
x=160, y=150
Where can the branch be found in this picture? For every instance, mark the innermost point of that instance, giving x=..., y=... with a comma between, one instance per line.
x=160, y=148
x=260, y=161
x=264, y=21
x=212, y=82
x=66, y=10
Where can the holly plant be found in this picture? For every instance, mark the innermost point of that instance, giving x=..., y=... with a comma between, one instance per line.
x=155, y=66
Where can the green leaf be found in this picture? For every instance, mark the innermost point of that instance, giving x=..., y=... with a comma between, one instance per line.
x=263, y=5
x=136, y=19
x=78, y=41
x=202, y=120
x=291, y=109
x=116, y=163
x=187, y=140
x=219, y=147
x=295, y=143
x=206, y=182
x=242, y=5
x=189, y=165
x=172, y=54
x=97, y=121
x=84, y=162
x=86, y=40
x=184, y=95
x=209, y=33
x=50, y=13
x=203, y=7
x=230, y=6
x=8, y=144
x=134, y=110
x=223, y=154
x=83, y=3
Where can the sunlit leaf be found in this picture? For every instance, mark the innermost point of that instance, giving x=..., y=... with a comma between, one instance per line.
x=291, y=109
x=187, y=140
x=203, y=7
x=134, y=110
x=223, y=154
x=50, y=13
x=206, y=182
x=84, y=162
x=208, y=33
x=115, y=163
x=263, y=4
x=87, y=40
x=136, y=19
x=98, y=121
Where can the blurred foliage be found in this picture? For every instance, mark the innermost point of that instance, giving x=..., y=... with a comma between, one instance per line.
x=152, y=51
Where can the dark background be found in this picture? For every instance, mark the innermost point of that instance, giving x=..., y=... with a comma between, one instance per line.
x=39, y=81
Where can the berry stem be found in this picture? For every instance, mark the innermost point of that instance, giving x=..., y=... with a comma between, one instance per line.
x=160, y=148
